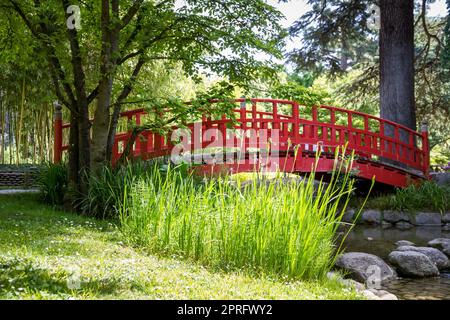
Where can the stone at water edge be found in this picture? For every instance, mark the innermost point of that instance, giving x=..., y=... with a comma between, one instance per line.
x=370, y=295
x=427, y=219
x=361, y=266
x=349, y=216
x=395, y=216
x=413, y=264
x=383, y=294
x=401, y=243
x=437, y=257
x=371, y=216
x=446, y=250
x=439, y=243
x=388, y=296
x=446, y=218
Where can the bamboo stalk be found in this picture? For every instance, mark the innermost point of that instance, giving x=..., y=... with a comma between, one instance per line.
x=2, y=128
x=19, y=130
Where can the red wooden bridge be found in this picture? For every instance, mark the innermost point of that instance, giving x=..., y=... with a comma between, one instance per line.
x=288, y=134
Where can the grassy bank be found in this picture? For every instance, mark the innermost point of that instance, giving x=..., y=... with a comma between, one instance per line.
x=427, y=196
x=45, y=253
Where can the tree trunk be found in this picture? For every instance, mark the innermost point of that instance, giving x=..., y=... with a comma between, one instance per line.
x=84, y=147
x=397, y=62
x=100, y=127
x=110, y=42
x=344, y=53
x=73, y=167
x=117, y=107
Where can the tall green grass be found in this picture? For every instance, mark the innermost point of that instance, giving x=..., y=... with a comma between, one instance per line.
x=275, y=227
x=52, y=182
x=426, y=196
x=107, y=187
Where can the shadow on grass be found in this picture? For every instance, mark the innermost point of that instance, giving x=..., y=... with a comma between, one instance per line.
x=21, y=277
x=30, y=227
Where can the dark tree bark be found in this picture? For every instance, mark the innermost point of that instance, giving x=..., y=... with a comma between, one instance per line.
x=73, y=165
x=110, y=48
x=397, y=62
x=117, y=107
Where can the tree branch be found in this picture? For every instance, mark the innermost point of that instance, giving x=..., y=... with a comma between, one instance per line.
x=130, y=13
x=54, y=62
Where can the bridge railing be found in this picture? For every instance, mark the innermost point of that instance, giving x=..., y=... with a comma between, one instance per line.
x=370, y=137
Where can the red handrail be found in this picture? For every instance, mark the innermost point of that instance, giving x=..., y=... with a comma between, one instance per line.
x=300, y=126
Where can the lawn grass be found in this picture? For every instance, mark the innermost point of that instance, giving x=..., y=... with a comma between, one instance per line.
x=49, y=254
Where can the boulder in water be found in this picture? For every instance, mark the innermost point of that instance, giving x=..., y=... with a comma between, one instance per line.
x=361, y=266
x=413, y=264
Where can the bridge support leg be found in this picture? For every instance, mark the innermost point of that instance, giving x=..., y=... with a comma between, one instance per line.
x=57, y=127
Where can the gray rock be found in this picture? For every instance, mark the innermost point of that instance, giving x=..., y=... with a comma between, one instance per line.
x=403, y=225
x=371, y=216
x=441, y=178
x=413, y=264
x=446, y=227
x=360, y=266
x=388, y=296
x=354, y=284
x=404, y=243
x=446, y=249
x=395, y=216
x=383, y=294
x=427, y=219
x=436, y=256
x=349, y=216
x=439, y=243
x=446, y=218
x=369, y=295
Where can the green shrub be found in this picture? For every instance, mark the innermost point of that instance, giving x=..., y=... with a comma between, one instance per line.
x=52, y=182
x=269, y=226
x=426, y=196
x=106, y=189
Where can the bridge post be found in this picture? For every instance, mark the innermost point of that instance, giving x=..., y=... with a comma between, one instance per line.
x=243, y=110
x=57, y=127
x=425, y=148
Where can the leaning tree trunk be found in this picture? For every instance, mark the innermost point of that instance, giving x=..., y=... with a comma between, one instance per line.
x=397, y=62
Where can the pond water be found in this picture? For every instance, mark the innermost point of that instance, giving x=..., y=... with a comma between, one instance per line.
x=381, y=242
